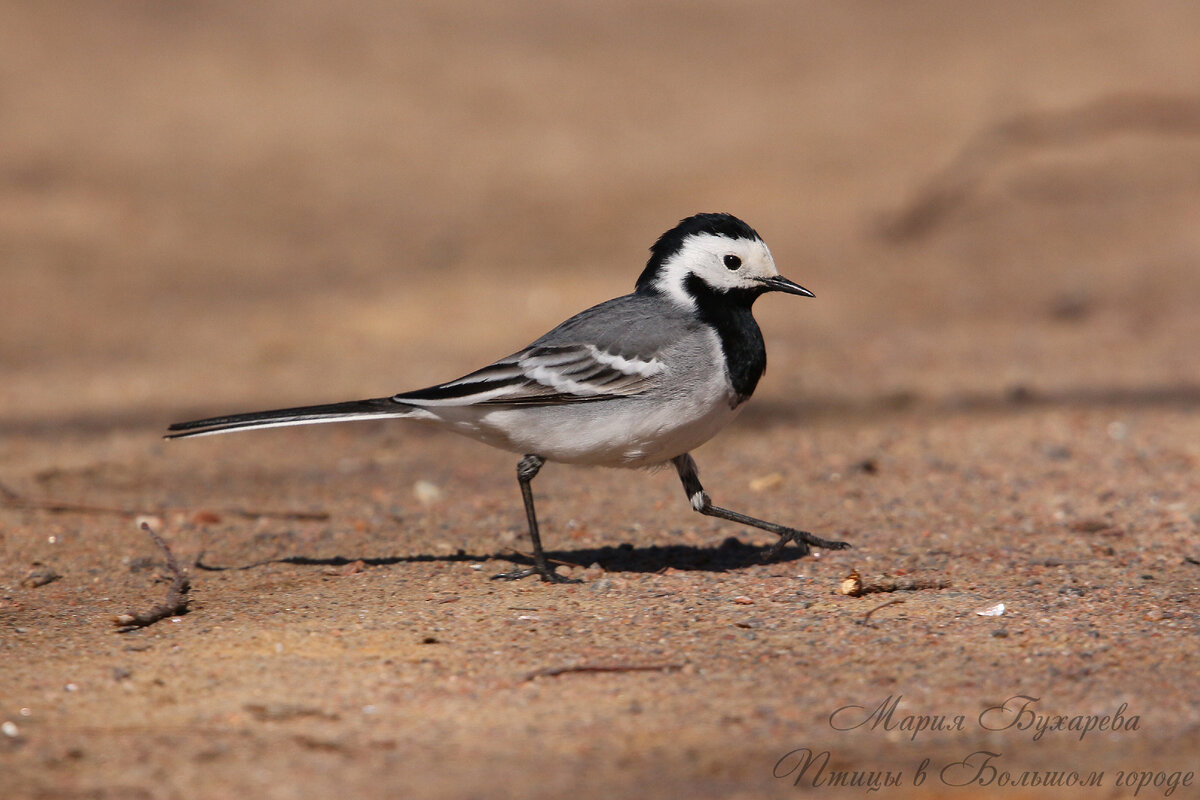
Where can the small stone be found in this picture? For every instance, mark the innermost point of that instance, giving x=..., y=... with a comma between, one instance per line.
x=765, y=483
x=40, y=576
x=1057, y=452
x=851, y=585
x=991, y=611
x=426, y=492
x=205, y=517
x=10, y=729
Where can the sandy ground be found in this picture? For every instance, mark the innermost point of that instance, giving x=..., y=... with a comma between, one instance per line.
x=227, y=206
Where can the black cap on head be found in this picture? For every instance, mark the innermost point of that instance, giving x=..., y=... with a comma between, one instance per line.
x=670, y=242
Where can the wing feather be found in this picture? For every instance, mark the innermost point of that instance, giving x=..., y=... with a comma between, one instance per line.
x=545, y=374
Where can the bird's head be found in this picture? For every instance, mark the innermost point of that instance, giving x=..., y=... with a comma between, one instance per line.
x=716, y=253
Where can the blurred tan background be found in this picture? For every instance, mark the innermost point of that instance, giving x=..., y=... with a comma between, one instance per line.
x=225, y=206
x=207, y=207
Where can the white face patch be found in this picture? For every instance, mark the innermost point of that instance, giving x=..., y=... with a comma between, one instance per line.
x=721, y=262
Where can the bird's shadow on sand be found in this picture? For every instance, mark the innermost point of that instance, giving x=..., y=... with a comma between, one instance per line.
x=732, y=554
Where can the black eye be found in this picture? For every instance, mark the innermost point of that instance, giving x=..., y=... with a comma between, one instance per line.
x=732, y=261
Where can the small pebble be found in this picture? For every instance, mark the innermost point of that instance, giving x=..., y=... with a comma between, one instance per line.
x=766, y=482
x=852, y=584
x=205, y=517
x=40, y=577
x=426, y=492
x=991, y=611
x=10, y=729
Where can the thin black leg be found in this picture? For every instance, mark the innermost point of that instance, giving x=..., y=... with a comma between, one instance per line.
x=685, y=465
x=527, y=468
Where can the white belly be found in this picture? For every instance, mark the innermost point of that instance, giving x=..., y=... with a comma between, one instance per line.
x=623, y=432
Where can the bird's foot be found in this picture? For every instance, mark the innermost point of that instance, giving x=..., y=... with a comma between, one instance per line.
x=803, y=540
x=547, y=574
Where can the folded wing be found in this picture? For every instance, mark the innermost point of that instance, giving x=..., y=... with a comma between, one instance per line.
x=545, y=374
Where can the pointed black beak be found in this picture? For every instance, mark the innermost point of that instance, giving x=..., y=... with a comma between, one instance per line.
x=782, y=284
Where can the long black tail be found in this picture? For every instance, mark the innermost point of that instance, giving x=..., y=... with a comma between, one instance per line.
x=377, y=408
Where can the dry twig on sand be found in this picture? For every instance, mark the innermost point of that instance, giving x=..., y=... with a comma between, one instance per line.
x=550, y=672
x=866, y=620
x=176, y=601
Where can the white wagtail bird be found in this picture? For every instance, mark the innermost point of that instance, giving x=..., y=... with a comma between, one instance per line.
x=638, y=381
